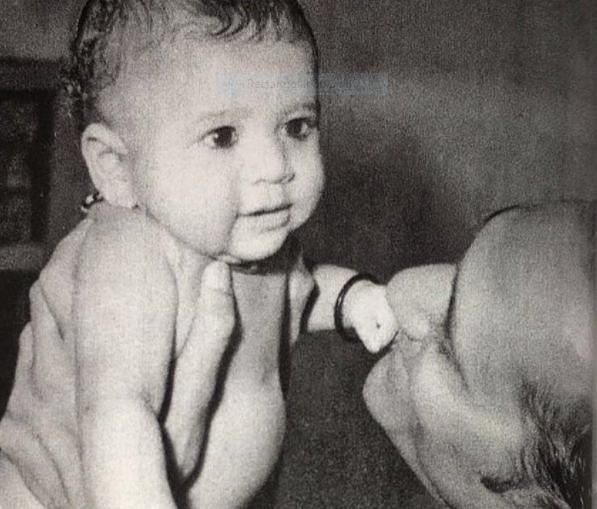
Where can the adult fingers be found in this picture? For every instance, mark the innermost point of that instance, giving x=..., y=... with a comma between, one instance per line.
x=198, y=364
x=214, y=321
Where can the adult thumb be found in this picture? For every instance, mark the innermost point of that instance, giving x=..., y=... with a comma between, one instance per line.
x=215, y=311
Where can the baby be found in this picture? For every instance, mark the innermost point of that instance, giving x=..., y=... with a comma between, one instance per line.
x=207, y=160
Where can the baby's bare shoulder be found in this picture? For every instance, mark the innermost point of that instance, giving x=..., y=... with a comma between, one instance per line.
x=123, y=253
x=118, y=226
x=125, y=304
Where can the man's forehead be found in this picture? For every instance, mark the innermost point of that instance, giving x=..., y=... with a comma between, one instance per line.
x=523, y=295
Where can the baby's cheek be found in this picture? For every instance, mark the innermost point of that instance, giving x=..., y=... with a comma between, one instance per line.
x=306, y=196
x=207, y=229
x=220, y=211
x=219, y=232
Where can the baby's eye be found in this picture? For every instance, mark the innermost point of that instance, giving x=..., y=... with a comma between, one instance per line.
x=221, y=138
x=301, y=128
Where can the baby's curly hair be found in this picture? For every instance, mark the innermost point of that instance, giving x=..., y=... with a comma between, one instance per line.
x=106, y=27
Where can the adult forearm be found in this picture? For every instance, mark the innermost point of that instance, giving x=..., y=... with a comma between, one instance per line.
x=123, y=457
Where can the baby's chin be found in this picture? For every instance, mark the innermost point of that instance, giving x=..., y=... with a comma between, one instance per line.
x=257, y=251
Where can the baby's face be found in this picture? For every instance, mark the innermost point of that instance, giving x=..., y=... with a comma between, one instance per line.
x=225, y=149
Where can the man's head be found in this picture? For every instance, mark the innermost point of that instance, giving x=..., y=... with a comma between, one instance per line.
x=203, y=113
x=491, y=405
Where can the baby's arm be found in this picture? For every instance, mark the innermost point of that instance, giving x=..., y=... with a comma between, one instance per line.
x=124, y=309
x=365, y=307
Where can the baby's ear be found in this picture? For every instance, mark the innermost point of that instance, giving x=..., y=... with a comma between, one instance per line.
x=109, y=167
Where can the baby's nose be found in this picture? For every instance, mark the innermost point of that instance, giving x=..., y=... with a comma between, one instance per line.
x=270, y=164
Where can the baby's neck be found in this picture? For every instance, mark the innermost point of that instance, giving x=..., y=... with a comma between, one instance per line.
x=278, y=262
x=275, y=263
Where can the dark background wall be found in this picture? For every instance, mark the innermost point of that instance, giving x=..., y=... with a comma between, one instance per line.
x=487, y=103
x=484, y=104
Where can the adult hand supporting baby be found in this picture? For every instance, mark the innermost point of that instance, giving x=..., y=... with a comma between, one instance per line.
x=205, y=346
x=214, y=319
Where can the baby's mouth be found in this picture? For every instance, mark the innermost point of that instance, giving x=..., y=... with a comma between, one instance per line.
x=268, y=210
x=270, y=218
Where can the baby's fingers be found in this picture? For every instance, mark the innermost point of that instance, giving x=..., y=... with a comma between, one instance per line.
x=383, y=335
x=379, y=334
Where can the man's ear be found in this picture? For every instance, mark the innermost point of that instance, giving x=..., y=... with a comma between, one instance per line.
x=109, y=166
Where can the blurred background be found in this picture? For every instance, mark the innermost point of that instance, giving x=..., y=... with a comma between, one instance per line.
x=482, y=105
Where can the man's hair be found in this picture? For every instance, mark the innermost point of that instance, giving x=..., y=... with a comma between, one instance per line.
x=558, y=461
x=555, y=465
x=106, y=28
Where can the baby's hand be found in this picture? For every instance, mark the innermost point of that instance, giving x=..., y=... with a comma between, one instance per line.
x=367, y=311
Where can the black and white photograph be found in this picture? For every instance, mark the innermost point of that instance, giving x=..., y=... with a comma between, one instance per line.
x=297, y=254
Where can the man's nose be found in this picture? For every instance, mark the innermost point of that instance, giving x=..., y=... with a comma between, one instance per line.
x=269, y=163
